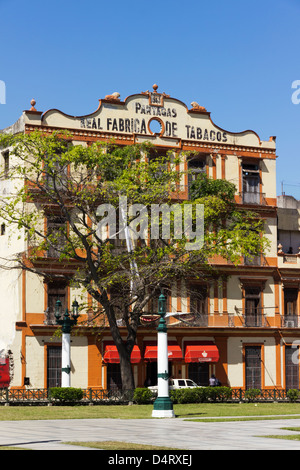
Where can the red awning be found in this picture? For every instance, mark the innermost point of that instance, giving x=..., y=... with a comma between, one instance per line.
x=174, y=353
x=201, y=353
x=111, y=354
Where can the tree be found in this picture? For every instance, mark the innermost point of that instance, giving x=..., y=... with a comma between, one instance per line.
x=120, y=257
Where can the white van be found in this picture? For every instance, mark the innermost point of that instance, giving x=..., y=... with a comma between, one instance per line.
x=175, y=384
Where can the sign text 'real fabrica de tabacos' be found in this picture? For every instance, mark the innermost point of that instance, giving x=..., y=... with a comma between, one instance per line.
x=139, y=124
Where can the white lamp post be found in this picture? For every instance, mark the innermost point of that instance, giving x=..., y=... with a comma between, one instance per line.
x=163, y=405
x=66, y=322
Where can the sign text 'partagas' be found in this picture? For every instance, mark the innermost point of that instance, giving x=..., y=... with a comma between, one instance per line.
x=141, y=112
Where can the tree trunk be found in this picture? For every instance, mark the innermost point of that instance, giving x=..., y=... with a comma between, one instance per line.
x=124, y=349
x=126, y=370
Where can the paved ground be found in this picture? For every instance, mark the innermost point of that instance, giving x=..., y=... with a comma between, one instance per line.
x=188, y=435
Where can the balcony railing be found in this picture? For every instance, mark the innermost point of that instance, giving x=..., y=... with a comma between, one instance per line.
x=49, y=317
x=290, y=321
x=99, y=396
x=253, y=320
x=220, y=320
x=253, y=260
x=253, y=198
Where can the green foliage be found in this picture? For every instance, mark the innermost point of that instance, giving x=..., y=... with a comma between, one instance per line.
x=219, y=393
x=142, y=396
x=293, y=394
x=65, y=395
x=204, y=186
x=200, y=394
x=252, y=394
x=230, y=231
x=188, y=395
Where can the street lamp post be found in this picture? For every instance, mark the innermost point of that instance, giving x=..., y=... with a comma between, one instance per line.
x=163, y=406
x=66, y=321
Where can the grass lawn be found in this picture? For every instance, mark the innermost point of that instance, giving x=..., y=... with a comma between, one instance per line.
x=117, y=445
x=193, y=410
x=289, y=437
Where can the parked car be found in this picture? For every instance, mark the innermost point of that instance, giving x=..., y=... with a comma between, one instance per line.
x=175, y=384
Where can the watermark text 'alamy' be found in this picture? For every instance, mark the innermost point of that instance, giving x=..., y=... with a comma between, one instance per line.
x=164, y=221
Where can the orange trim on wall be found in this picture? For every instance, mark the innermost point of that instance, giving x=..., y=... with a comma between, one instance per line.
x=23, y=295
x=225, y=311
x=222, y=365
x=223, y=166
x=278, y=359
x=216, y=297
x=94, y=363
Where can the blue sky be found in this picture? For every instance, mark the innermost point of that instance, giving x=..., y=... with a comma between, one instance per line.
x=236, y=58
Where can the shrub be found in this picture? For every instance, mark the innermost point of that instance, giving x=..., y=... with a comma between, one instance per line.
x=186, y=395
x=66, y=394
x=252, y=393
x=218, y=393
x=142, y=396
x=293, y=394
x=189, y=395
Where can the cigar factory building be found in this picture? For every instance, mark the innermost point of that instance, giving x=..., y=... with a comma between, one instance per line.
x=248, y=322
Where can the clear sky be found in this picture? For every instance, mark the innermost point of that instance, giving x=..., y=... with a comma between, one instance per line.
x=237, y=58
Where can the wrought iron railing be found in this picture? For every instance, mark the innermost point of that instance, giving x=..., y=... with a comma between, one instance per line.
x=255, y=198
x=43, y=396
x=290, y=321
x=100, y=396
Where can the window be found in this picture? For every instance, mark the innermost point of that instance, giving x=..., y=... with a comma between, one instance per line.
x=290, y=301
x=251, y=182
x=55, y=291
x=2, y=229
x=6, y=164
x=119, y=300
x=53, y=366
x=198, y=299
x=253, y=306
x=291, y=367
x=199, y=304
x=196, y=167
x=56, y=174
x=199, y=373
x=56, y=232
x=290, y=307
x=153, y=303
x=253, y=366
x=114, y=381
x=158, y=159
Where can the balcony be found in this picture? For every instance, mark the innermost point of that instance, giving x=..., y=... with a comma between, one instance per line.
x=290, y=321
x=240, y=319
x=252, y=198
x=255, y=260
x=219, y=320
x=49, y=317
x=253, y=320
x=285, y=258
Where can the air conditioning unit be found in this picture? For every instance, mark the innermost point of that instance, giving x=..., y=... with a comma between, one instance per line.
x=290, y=323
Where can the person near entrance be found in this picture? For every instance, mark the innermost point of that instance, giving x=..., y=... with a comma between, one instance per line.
x=214, y=382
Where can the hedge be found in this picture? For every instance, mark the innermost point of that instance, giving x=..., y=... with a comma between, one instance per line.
x=185, y=395
x=65, y=394
x=200, y=395
x=143, y=396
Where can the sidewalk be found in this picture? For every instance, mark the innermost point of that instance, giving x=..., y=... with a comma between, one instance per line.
x=180, y=433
